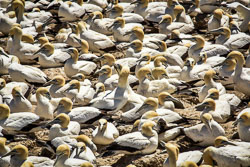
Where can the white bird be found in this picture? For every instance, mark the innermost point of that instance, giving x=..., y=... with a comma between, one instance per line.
x=105, y=133
x=191, y=72
x=223, y=156
x=166, y=26
x=175, y=158
x=79, y=114
x=19, y=103
x=19, y=156
x=244, y=12
x=218, y=20
x=62, y=126
x=48, y=57
x=142, y=142
x=57, y=84
x=243, y=126
x=72, y=66
x=208, y=6
x=99, y=24
x=44, y=107
x=241, y=78
x=5, y=61
x=97, y=42
x=120, y=29
x=210, y=83
x=204, y=134
x=154, y=87
x=222, y=103
x=148, y=105
x=25, y=73
x=83, y=152
x=4, y=161
x=118, y=97
x=201, y=47
x=81, y=95
x=88, y=142
x=209, y=106
x=117, y=11
x=231, y=41
x=24, y=51
x=17, y=122
x=63, y=157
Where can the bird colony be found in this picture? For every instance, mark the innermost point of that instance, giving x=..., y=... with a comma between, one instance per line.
x=125, y=83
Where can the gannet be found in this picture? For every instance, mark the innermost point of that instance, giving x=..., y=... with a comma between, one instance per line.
x=38, y=15
x=56, y=84
x=79, y=94
x=173, y=59
x=136, y=49
x=15, y=123
x=175, y=158
x=72, y=11
x=210, y=83
x=191, y=72
x=49, y=57
x=166, y=26
x=101, y=3
x=223, y=156
x=160, y=73
x=72, y=66
x=79, y=114
x=218, y=20
x=120, y=29
x=142, y=142
x=63, y=157
x=25, y=73
x=99, y=24
x=19, y=155
x=89, y=143
x=244, y=12
x=167, y=101
x=234, y=41
x=209, y=106
x=208, y=6
x=83, y=152
x=210, y=49
x=87, y=164
x=111, y=81
x=118, y=97
x=241, y=78
x=61, y=36
x=243, y=126
x=117, y=11
x=62, y=126
x=148, y=105
x=105, y=133
x=205, y=133
x=5, y=61
x=195, y=10
x=44, y=108
x=24, y=51
x=85, y=54
x=6, y=89
x=97, y=42
x=19, y=103
x=5, y=161
x=222, y=103
x=152, y=88
x=143, y=7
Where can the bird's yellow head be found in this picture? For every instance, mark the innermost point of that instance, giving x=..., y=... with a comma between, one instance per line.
x=4, y=111
x=147, y=128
